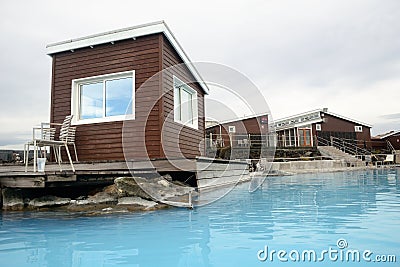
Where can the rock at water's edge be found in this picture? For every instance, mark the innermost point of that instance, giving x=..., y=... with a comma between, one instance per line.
x=137, y=201
x=127, y=187
x=12, y=199
x=48, y=201
x=102, y=198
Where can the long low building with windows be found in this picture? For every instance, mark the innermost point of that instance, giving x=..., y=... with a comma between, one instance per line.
x=309, y=128
x=313, y=128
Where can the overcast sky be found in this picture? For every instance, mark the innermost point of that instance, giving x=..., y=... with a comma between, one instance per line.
x=302, y=55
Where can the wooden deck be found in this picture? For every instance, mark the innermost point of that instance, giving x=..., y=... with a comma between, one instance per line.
x=207, y=172
x=85, y=172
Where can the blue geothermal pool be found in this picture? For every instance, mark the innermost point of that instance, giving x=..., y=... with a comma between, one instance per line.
x=334, y=219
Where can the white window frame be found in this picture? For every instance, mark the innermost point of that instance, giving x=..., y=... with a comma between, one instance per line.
x=318, y=127
x=75, y=97
x=358, y=129
x=232, y=129
x=178, y=86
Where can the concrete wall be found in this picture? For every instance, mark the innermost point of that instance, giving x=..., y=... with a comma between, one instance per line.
x=212, y=174
x=308, y=165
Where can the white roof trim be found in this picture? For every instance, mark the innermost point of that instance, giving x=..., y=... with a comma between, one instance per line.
x=297, y=115
x=128, y=33
x=323, y=111
x=301, y=124
x=388, y=135
x=240, y=119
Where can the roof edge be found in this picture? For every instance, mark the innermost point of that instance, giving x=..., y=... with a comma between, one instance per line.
x=242, y=119
x=114, y=35
x=128, y=33
x=387, y=135
x=296, y=115
x=325, y=110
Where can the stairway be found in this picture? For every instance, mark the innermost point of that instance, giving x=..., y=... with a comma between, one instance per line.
x=336, y=154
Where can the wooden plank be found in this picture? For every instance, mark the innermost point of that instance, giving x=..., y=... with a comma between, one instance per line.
x=188, y=138
x=60, y=178
x=122, y=53
x=103, y=54
x=83, y=73
x=23, y=182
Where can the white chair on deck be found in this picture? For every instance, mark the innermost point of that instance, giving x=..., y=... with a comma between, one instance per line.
x=389, y=159
x=240, y=143
x=66, y=137
x=245, y=142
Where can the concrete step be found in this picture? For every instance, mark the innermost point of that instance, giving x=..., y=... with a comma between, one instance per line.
x=334, y=153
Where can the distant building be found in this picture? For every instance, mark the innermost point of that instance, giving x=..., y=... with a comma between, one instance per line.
x=390, y=140
x=237, y=132
x=307, y=129
x=317, y=126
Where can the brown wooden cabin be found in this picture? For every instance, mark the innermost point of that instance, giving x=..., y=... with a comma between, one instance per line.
x=238, y=132
x=387, y=141
x=95, y=78
x=304, y=130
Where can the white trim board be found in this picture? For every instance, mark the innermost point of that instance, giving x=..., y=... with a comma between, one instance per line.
x=128, y=33
x=242, y=119
x=387, y=135
x=326, y=112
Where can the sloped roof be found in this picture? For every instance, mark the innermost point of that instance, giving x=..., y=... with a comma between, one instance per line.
x=324, y=110
x=348, y=119
x=385, y=135
x=239, y=119
x=128, y=33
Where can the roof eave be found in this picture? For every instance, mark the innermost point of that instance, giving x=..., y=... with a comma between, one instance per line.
x=244, y=118
x=128, y=33
x=387, y=135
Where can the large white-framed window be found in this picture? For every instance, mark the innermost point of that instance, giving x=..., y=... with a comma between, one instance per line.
x=103, y=98
x=185, y=104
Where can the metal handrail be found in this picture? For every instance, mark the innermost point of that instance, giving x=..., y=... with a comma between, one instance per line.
x=390, y=146
x=239, y=140
x=322, y=140
x=345, y=146
x=350, y=147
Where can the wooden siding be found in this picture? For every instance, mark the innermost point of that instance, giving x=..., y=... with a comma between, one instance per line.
x=189, y=140
x=251, y=126
x=333, y=125
x=246, y=126
x=103, y=141
x=394, y=140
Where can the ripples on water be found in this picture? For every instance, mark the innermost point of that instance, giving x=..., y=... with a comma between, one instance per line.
x=294, y=212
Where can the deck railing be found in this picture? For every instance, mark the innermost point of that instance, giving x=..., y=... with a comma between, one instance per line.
x=390, y=147
x=240, y=140
x=346, y=145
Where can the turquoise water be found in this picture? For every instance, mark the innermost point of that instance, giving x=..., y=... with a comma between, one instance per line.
x=293, y=213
